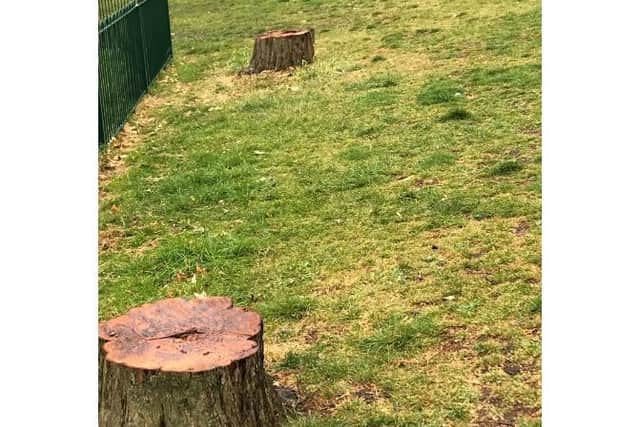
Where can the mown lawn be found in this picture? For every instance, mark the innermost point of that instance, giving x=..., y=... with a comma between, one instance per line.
x=381, y=207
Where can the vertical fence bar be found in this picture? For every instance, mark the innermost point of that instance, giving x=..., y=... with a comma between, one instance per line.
x=143, y=40
x=101, y=136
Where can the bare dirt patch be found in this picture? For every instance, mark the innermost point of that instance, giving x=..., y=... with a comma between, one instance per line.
x=113, y=160
x=369, y=393
x=522, y=228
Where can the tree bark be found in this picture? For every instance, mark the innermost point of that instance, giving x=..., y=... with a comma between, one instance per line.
x=185, y=363
x=279, y=50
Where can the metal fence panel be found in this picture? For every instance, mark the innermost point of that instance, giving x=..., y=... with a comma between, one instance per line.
x=157, y=34
x=134, y=46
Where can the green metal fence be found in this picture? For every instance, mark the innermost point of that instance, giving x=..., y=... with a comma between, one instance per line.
x=134, y=46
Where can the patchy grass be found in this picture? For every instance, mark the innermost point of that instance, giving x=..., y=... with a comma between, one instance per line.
x=287, y=307
x=390, y=240
x=436, y=159
x=505, y=168
x=375, y=82
x=440, y=92
x=456, y=114
x=397, y=335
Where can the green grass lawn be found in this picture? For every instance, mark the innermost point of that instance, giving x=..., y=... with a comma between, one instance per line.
x=380, y=207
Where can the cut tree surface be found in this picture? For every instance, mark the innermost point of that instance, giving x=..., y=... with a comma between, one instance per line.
x=185, y=362
x=176, y=335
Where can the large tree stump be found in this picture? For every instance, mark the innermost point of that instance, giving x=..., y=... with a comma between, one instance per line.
x=190, y=363
x=279, y=50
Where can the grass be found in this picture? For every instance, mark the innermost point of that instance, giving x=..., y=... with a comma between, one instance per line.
x=456, y=114
x=505, y=167
x=375, y=82
x=440, y=92
x=379, y=207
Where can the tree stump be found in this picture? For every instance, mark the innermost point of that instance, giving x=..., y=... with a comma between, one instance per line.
x=279, y=50
x=183, y=362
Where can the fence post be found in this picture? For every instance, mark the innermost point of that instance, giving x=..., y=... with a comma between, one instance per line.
x=170, y=53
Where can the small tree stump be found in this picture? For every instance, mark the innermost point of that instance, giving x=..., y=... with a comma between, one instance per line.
x=185, y=363
x=279, y=50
